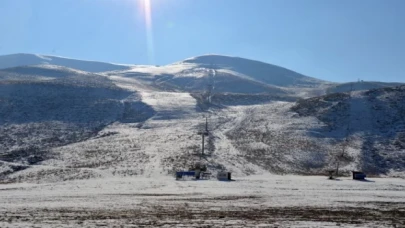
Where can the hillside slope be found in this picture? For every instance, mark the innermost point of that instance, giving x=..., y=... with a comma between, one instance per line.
x=58, y=123
x=373, y=120
x=223, y=74
x=15, y=60
x=255, y=70
x=363, y=131
x=360, y=85
x=37, y=115
x=307, y=137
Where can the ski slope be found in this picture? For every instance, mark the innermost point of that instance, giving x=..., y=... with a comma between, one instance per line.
x=170, y=104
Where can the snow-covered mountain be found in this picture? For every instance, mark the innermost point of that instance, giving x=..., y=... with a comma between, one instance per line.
x=15, y=60
x=225, y=74
x=59, y=122
x=39, y=73
x=360, y=85
x=215, y=73
x=254, y=70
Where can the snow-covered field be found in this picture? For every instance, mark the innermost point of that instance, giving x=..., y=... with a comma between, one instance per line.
x=161, y=201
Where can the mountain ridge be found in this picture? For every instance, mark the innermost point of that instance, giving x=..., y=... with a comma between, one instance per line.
x=25, y=59
x=256, y=70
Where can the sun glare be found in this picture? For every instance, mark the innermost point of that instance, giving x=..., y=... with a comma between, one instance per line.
x=146, y=6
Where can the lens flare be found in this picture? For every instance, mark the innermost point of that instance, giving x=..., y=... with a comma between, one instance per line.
x=147, y=11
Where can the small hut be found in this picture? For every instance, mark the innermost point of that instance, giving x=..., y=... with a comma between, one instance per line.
x=224, y=176
x=357, y=175
x=185, y=174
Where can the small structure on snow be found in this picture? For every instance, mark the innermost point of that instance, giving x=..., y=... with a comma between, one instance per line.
x=184, y=174
x=358, y=175
x=196, y=172
x=224, y=176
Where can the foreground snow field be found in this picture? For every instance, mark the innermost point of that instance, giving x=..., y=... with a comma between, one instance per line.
x=254, y=201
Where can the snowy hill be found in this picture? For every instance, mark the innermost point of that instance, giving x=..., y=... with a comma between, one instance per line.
x=42, y=107
x=80, y=148
x=369, y=124
x=224, y=74
x=360, y=85
x=279, y=137
x=59, y=123
x=15, y=60
x=39, y=73
x=255, y=70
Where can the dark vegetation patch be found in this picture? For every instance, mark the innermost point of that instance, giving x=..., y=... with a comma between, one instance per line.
x=185, y=215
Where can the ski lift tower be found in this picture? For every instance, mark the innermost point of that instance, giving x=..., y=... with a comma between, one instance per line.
x=203, y=134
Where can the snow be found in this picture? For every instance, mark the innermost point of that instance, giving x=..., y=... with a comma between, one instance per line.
x=231, y=74
x=41, y=72
x=360, y=85
x=158, y=70
x=15, y=60
x=260, y=71
x=131, y=84
x=227, y=71
x=144, y=125
x=162, y=200
x=249, y=139
x=170, y=103
x=253, y=139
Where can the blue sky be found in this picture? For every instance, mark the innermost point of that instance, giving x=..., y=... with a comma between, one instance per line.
x=336, y=40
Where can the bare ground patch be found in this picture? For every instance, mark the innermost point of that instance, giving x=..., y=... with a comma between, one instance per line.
x=185, y=215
